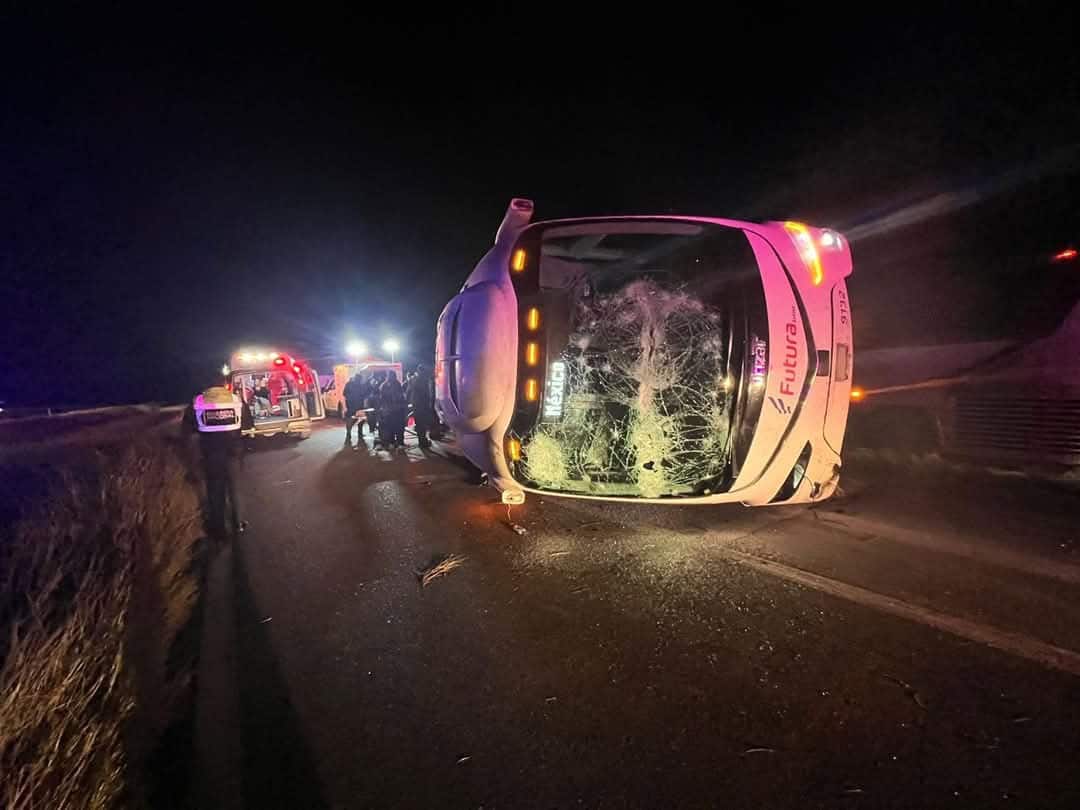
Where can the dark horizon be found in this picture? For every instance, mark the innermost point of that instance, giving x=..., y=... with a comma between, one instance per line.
x=169, y=197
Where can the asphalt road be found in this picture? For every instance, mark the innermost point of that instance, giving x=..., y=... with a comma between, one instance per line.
x=914, y=643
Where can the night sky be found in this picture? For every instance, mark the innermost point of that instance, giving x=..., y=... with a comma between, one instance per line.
x=173, y=188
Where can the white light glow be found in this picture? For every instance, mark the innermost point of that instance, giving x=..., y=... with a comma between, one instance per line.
x=827, y=239
x=225, y=370
x=391, y=345
x=356, y=348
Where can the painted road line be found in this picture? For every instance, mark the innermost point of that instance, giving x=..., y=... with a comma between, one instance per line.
x=980, y=550
x=1015, y=643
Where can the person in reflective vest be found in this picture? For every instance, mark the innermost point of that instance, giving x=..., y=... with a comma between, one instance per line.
x=219, y=418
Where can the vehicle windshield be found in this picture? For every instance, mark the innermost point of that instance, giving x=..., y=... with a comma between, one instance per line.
x=649, y=326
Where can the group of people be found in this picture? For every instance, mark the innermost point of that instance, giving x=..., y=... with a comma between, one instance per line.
x=383, y=403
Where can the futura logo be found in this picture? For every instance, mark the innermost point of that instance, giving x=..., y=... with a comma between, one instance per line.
x=780, y=405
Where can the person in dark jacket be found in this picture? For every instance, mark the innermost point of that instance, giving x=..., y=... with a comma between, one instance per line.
x=371, y=403
x=392, y=411
x=421, y=395
x=354, y=401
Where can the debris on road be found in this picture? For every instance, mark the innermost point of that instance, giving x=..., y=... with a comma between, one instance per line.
x=909, y=690
x=463, y=760
x=760, y=749
x=267, y=619
x=439, y=566
x=517, y=528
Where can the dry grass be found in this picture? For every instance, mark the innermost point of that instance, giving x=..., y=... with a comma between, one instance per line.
x=96, y=581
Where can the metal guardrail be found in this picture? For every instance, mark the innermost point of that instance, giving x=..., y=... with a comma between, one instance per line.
x=1020, y=429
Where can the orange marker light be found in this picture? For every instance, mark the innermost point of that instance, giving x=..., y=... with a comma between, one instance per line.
x=517, y=262
x=801, y=234
x=532, y=319
x=857, y=394
x=532, y=353
x=532, y=390
x=513, y=449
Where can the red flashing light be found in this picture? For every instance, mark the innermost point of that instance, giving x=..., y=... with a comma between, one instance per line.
x=1066, y=255
x=279, y=361
x=296, y=369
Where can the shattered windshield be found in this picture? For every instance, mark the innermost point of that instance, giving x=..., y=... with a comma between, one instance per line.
x=646, y=340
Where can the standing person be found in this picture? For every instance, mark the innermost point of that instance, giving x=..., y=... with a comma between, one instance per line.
x=354, y=401
x=371, y=397
x=392, y=402
x=374, y=404
x=219, y=414
x=421, y=396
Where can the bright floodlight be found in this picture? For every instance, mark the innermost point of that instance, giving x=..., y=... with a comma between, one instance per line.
x=225, y=370
x=391, y=345
x=356, y=348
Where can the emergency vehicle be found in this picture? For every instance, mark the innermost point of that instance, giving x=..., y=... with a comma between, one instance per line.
x=281, y=390
x=333, y=394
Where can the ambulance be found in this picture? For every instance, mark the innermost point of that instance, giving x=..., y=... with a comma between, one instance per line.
x=281, y=390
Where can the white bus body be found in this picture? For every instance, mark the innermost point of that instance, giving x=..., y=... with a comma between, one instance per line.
x=509, y=357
